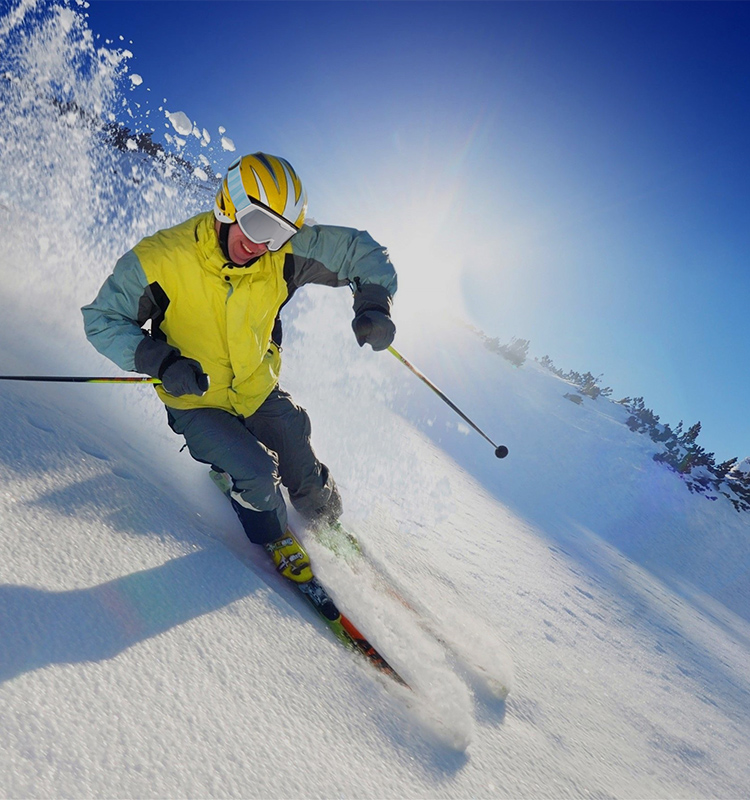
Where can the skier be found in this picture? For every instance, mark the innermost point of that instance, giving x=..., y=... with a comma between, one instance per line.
x=212, y=288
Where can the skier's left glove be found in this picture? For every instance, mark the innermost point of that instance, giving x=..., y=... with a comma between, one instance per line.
x=374, y=328
x=372, y=322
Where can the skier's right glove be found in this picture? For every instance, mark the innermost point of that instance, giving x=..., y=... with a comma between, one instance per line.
x=178, y=375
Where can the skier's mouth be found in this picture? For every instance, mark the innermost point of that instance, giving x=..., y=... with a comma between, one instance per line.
x=252, y=251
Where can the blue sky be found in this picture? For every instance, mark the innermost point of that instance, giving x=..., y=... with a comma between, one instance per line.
x=576, y=174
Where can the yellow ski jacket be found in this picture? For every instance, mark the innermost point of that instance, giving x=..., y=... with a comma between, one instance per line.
x=225, y=316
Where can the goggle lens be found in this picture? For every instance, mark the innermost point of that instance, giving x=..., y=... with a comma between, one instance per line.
x=262, y=227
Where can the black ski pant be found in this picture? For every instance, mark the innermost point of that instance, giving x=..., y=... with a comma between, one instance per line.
x=261, y=452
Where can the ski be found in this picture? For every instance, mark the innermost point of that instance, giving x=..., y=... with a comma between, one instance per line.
x=344, y=628
x=345, y=545
x=317, y=595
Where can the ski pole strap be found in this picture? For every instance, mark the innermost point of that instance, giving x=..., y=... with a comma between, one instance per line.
x=500, y=450
x=76, y=379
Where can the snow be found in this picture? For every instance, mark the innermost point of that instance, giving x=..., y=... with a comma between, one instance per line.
x=180, y=122
x=147, y=649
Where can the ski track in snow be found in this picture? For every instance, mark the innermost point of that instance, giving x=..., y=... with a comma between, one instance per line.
x=147, y=649
x=622, y=687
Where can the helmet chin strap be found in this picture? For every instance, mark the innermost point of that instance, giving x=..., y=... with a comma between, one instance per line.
x=224, y=240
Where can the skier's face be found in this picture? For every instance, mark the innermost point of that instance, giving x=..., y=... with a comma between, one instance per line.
x=241, y=249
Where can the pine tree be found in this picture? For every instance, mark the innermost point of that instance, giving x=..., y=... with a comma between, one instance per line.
x=681, y=453
x=515, y=351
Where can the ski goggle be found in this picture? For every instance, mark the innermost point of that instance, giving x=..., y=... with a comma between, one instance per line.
x=263, y=226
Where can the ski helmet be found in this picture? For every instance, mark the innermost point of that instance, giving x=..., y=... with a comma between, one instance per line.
x=265, y=180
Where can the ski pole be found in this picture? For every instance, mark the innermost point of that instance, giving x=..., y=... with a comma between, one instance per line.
x=75, y=379
x=500, y=450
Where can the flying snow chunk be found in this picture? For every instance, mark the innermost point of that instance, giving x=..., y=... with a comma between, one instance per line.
x=228, y=144
x=200, y=174
x=136, y=80
x=180, y=122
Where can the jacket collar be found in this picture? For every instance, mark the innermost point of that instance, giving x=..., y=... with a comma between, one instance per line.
x=213, y=259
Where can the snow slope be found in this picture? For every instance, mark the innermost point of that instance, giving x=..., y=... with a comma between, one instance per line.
x=147, y=651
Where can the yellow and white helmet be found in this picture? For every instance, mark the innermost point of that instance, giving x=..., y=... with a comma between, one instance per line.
x=265, y=180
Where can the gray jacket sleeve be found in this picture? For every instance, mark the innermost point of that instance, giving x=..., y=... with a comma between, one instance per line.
x=336, y=256
x=113, y=320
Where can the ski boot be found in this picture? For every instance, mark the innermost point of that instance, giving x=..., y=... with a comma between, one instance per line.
x=290, y=558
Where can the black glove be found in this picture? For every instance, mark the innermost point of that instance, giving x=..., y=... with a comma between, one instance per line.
x=372, y=316
x=178, y=375
x=182, y=375
x=375, y=328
